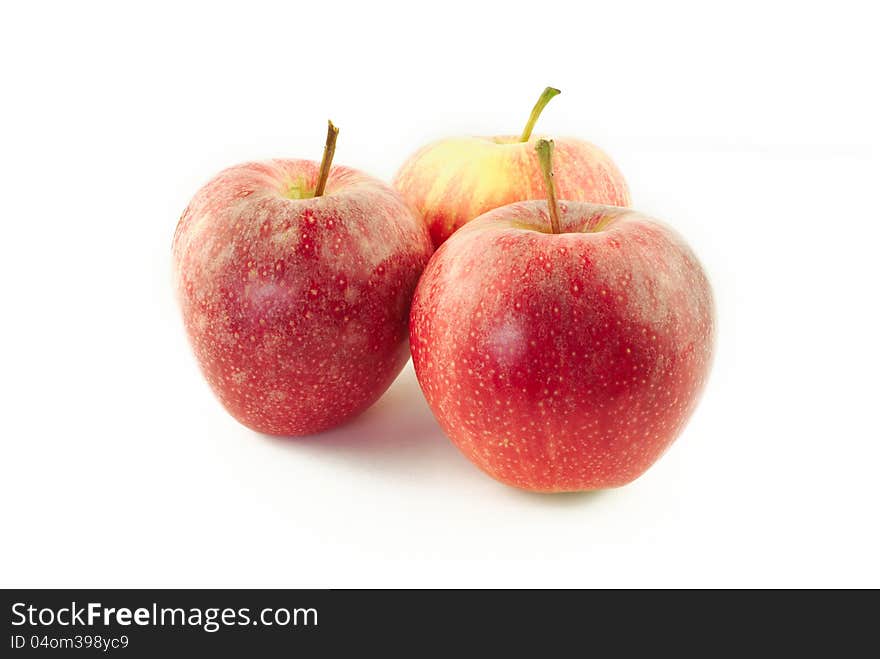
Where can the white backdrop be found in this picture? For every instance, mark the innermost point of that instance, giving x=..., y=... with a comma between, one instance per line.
x=752, y=129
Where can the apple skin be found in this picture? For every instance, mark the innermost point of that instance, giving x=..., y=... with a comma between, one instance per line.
x=297, y=309
x=452, y=181
x=563, y=362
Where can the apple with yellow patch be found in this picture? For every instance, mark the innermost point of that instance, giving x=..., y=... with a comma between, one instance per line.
x=452, y=181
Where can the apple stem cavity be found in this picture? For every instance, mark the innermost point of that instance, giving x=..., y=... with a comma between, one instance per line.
x=545, y=156
x=327, y=158
x=543, y=100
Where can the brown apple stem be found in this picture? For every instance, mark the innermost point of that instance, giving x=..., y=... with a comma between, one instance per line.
x=545, y=156
x=543, y=100
x=327, y=159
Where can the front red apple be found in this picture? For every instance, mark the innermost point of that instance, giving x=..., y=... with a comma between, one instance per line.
x=562, y=362
x=297, y=306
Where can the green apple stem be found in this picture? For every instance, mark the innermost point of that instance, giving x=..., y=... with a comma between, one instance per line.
x=327, y=159
x=543, y=100
x=545, y=156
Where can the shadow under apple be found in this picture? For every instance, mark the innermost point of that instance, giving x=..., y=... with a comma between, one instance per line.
x=399, y=437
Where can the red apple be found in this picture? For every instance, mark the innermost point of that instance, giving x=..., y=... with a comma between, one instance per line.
x=562, y=360
x=295, y=283
x=452, y=181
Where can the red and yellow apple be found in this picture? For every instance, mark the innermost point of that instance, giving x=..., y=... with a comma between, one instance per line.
x=562, y=346
x=452, y=181
x=295, y=282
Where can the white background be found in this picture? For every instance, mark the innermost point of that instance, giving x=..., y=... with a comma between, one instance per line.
x=750, y=127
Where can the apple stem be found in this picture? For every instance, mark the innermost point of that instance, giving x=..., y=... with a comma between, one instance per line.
x=545, y=156
x=327, y=158
x=543, y=100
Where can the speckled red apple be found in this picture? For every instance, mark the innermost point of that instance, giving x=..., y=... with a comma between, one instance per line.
x=452, y=181
x=563, y=361
x=296, y=296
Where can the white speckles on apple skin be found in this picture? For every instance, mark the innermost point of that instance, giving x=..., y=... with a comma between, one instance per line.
x=297, y=309
x=563, y=362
